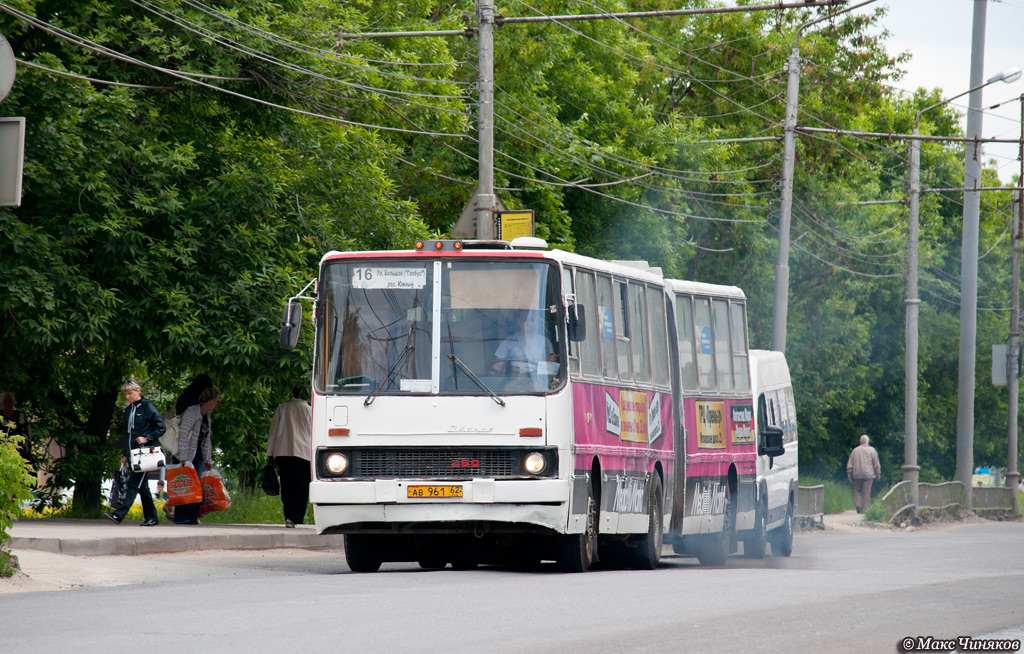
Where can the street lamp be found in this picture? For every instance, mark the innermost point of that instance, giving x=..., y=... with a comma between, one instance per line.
x=910, y=467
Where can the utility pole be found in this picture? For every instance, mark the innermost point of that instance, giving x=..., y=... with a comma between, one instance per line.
x=1013, y=355
x=910, y=468
x=969, y=263
x=780, y=305
x=1011, y=359
x=485, y=198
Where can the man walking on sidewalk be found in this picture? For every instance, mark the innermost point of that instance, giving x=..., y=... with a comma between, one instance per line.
x=862, y=468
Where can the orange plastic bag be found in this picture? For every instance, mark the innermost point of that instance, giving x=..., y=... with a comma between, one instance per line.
x=183, y=485
x=215, y=496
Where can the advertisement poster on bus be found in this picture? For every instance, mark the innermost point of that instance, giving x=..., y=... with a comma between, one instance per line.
x=711, y=425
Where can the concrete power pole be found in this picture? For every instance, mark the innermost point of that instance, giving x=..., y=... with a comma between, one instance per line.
x=910, y=468
x=1012, y=353
x=485, y=198
x=969, y=261
x=780, y=307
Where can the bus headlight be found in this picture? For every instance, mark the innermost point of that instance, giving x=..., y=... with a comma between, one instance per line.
x=535, y=463
x=336, y=463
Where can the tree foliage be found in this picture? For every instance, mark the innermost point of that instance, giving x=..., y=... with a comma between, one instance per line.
x=166, y=218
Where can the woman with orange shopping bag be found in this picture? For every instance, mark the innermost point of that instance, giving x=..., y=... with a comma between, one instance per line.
x=195, y=447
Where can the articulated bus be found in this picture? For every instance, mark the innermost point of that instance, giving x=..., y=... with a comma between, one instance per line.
x=478, y=402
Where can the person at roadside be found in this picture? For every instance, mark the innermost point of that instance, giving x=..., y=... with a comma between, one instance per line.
x=195, y=446
x=288, y=446
x=862, y=468
x=11, y=416
x=145, y=427
x=190, y=396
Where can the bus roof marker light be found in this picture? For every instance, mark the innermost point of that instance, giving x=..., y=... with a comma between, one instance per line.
x=438, y=245
x=419, y=245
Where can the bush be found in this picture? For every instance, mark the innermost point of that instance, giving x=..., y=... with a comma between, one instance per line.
x=15, y=490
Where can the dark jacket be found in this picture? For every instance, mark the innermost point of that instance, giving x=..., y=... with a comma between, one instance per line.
x=143, y=420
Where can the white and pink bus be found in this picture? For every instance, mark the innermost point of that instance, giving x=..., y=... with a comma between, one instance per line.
x=486, y=402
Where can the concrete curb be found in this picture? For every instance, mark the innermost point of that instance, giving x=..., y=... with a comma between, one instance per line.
x=99, y=538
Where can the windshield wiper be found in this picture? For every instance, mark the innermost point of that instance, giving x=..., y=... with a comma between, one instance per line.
x=387, y=380
x=476, y=380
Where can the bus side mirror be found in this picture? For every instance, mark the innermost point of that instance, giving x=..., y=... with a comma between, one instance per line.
x=290, y=325
x=577, y=323
x=771, y=442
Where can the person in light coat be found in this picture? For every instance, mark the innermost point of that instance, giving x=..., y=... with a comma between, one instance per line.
x=862, y=468
x=195, y=445
x=288, y=446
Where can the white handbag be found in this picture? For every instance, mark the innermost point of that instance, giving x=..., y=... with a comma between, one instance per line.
x=146, y=459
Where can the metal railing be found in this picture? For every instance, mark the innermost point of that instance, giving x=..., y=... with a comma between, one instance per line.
x=810, y=502
x=935, y=497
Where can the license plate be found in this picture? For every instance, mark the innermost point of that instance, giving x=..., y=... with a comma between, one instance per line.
x=434, y=491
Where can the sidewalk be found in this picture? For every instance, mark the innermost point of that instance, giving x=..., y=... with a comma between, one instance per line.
x=102, y=537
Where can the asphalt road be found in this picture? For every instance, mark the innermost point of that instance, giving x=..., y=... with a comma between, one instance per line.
x=840, y=592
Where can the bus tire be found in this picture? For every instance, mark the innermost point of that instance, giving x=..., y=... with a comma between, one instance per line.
x=713, y=549
x=433, y=564
x=361, y=553
x=647, y=554
x=782, y=537
x=577, y=551
x=754, y=545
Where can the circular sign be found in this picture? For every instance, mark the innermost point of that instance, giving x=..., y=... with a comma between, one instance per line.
x=7, y=67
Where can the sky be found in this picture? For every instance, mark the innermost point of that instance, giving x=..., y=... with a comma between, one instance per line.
x=937, y=33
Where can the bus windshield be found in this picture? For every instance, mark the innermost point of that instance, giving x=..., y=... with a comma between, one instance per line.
x=439, y=326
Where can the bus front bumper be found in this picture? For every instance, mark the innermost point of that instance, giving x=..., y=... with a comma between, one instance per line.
x=529, y=502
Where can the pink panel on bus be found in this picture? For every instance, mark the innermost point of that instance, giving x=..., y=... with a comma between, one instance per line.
x=629, y=429
x=719, y=432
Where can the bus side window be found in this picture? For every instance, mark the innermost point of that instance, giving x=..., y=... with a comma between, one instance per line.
x=569, y=288
x=606, y=322
x=740, y=367
x=589, y=347
x=622, y=330
x=684, y=330
x=659, y=344
x=722, y=344
x=640, y=343
x=704, y=343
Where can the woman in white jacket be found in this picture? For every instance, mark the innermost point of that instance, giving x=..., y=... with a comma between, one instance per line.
x=195, y=446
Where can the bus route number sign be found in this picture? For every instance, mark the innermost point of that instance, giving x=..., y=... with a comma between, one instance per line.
x=430, y=492
x=367, y=277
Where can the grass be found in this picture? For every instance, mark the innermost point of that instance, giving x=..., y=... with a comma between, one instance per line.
x=838, y=495
x=247, y=507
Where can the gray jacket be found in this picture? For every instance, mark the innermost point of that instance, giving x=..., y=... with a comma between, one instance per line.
x=188, y=435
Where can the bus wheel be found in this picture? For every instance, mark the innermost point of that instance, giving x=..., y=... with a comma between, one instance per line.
x=361, y=553
x=754, y=546
x=576, y=551
x=782, y=537
x=713, y=549
x=647, y=554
